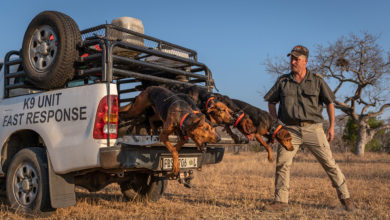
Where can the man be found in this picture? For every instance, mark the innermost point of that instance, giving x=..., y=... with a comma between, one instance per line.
x=301, y=95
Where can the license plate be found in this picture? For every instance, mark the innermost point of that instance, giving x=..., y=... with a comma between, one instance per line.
x=185, y=162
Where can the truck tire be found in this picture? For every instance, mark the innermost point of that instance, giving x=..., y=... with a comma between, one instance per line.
x=27, y=182
x=138, y=189
x=49, y=49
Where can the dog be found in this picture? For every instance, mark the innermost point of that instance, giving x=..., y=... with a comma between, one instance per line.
x=266, y=127
x=220, y=110
x=177, y=116
x=242, y=121
x=216, y=111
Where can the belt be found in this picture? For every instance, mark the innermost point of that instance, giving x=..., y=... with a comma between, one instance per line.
x=302, y=123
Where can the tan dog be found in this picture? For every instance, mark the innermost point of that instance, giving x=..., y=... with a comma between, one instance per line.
x=267, y=127
x=177, y=116
x=217, y=111
x=220, y=110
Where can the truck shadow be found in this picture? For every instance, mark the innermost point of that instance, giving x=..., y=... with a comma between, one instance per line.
x=185, y=198
x=97, y=196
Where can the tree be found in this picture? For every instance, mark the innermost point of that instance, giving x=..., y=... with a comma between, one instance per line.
x=351, y=130
x=360, y=69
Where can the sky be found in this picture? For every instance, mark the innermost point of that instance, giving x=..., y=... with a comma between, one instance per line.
x=233, y=38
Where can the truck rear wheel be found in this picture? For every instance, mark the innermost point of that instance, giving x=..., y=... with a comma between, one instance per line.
x=27, y=182
x=144, y=187
x=49, y=49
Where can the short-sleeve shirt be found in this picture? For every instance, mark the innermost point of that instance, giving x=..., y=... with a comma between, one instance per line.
x=300, y=102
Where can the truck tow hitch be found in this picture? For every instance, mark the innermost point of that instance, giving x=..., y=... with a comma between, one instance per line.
x=185, y=178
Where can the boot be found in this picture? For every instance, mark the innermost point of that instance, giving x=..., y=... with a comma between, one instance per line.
x=348, y=204
x=276, y=206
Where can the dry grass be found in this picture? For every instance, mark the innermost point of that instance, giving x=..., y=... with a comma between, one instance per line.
x=238, y=187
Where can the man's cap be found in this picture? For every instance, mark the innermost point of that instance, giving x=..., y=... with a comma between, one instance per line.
x=298, y=51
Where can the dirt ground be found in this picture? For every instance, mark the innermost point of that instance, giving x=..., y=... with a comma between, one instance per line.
x=238, y=188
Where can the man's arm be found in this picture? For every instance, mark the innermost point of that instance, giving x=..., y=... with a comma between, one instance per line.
x=272, y=110
x=330, y=110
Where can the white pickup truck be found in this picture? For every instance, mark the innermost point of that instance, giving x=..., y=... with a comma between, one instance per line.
x=60, y=127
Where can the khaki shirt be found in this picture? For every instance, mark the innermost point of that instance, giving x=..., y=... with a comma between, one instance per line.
x=300, y=102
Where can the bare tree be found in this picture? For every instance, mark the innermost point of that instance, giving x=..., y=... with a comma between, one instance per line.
x=360, y=69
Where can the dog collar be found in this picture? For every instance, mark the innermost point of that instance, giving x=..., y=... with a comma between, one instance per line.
x=276, y=132
x=239, y=119
x=208, y=100
x=184, y=118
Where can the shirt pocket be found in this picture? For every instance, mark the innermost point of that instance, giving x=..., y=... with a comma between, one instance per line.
x=310, y=95
x=288, y=97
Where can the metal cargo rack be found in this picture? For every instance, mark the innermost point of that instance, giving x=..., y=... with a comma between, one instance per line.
x=16, y=80
x=148, y=61
x=153, y=62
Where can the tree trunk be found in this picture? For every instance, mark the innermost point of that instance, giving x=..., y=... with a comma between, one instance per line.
x=362, y=139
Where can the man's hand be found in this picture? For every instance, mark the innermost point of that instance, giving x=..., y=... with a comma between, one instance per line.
x=330, y=134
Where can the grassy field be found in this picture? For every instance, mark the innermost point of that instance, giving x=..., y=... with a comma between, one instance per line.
x=241, y=185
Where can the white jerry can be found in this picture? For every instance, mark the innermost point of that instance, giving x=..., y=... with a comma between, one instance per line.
x=129, y=23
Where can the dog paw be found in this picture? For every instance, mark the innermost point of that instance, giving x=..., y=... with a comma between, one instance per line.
x=270, y=159
x=175, y=170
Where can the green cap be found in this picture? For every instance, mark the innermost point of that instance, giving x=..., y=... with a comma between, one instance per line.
x=298, y=51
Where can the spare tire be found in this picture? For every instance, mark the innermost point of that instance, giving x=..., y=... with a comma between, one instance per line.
x=49, y=49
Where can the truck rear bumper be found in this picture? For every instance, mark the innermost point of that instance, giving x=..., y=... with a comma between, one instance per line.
x=141, y=157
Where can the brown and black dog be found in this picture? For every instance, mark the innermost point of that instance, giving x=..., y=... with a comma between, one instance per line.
x=242, y=121
x=177, y=117
x=220, y=110
x=217, y=112
x=267, y=127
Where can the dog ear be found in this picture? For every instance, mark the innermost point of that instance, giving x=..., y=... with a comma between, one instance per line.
x=211, y=109
x=283, y=134
x=247, y=125
x=212, y=120
x=192, y=122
